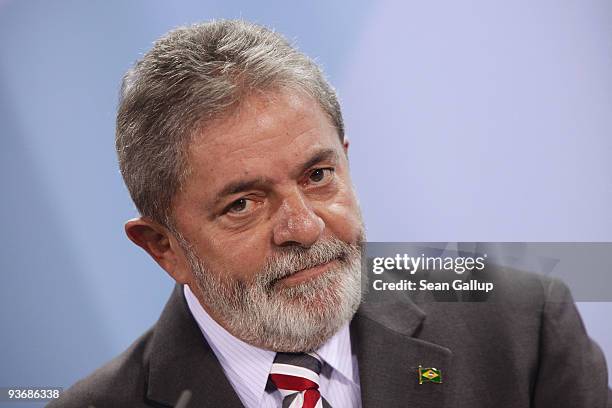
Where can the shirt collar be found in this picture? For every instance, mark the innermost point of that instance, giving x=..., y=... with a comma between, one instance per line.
x=336, y=352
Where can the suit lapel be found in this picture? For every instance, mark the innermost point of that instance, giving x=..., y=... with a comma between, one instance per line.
x=389, y=357
x=180, y=359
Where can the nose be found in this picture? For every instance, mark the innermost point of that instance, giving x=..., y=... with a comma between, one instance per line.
x=296, y=223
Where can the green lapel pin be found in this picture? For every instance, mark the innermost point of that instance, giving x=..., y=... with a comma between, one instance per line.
x=430, y=374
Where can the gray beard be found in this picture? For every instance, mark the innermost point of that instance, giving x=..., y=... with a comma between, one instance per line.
x=299, y=318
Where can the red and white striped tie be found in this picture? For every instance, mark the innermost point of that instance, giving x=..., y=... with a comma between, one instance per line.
x=296, y=375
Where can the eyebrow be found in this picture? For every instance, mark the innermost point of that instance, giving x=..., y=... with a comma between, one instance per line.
x=238, y=186
x=319, y=156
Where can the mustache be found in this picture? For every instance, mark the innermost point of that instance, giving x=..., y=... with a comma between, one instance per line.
x=295, y=258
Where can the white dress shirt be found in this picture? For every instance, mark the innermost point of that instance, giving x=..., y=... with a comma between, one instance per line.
x=247, y=367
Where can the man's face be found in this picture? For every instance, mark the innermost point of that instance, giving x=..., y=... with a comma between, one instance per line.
x=270, y=224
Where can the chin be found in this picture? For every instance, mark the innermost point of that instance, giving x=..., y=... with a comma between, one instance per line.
x=295, y=317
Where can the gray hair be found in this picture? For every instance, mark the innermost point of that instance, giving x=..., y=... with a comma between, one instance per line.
x=192, y=76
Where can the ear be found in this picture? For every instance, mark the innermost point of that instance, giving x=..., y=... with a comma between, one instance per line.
x=345, y=145
x=161, y=245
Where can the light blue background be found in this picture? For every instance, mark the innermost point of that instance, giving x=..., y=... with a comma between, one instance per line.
x=468, y=120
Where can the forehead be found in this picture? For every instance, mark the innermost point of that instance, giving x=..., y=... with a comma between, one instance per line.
x=266, y=132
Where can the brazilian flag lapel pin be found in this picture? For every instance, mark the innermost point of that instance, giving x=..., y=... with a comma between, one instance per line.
x=430, y=374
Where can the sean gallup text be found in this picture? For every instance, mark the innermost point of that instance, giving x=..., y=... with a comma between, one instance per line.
x=425, y=285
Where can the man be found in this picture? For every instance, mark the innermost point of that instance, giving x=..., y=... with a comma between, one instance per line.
x=232, y=146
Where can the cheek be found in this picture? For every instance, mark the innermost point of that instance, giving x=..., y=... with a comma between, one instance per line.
x=236, y=257
x=342, y=217
x=229, y=256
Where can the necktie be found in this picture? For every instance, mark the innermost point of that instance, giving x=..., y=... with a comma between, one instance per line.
x=296, y=375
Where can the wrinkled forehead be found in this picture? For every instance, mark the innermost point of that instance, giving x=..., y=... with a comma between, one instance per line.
x=261, y=108
x=264, y=126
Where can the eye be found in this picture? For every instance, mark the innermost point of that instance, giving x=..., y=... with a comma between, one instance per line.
x=238, y=207
x=321, y=175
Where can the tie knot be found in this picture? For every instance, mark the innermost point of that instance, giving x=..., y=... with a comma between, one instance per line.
x=309, y=361
x=296, y=376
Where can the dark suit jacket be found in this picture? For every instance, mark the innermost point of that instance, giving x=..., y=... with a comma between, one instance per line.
x=524, y=347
